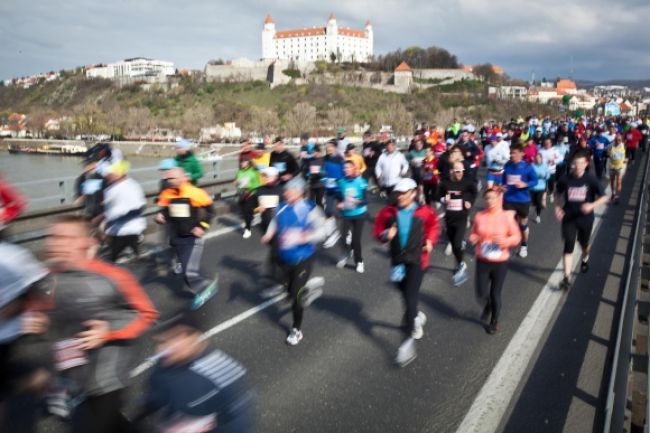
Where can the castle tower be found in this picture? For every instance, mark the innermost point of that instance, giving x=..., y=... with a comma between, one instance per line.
x=371, y=42
x=268, y=34
x=331, y=39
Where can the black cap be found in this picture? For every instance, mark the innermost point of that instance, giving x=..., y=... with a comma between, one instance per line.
x=261, y=146
x=350, y=146
x=278, y=139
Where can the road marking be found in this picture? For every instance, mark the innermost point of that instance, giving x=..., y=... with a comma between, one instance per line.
x=492, y=401
x=149, y=362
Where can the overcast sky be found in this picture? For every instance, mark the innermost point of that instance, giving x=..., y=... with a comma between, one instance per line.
x=603, y=39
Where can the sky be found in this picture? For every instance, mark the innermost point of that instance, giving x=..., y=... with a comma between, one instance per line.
x=597, y=39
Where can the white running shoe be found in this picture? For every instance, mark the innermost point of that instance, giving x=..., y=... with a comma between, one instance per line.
x=348, y=238
x=294, y=337
x=360, y=268
x=406, y=353
x=273, y=291
x=177, y=267
x=418, y=329
x=247, y=234
x=551, y=198
x=448, y=249
x=344, y=260
x=538, y=219
x=461, y=275
x=315, y=283
x=332, y=239
x=523, y=251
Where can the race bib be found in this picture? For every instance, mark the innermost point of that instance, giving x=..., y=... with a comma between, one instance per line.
x=68, y=354
x=243, y=182
x=290, y=238
x=397, y=273
x=513, y=179
x=418, y=162
x=190, y=424
x=367, y=151
x=600, y=146
x=330, y=182
x=179, y=210
x=349, y=202
x=455, y=204
x=314, y=169
x=617, y=156
x=281, y=166
x=427, y=175
x=269, y=201
x=577, y=193
x=91, y=186
x=490, y=251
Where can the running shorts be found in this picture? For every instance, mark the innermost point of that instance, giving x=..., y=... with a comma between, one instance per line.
x=576, y=227
x=521, y=209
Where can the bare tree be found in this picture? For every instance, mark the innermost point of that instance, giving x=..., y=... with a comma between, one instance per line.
x=36, y=121
x=398, y=117
x=195, y=118
x=139, y=121
x=89, y=119
x=263, y=120
x=301, y=118
x=338, y=118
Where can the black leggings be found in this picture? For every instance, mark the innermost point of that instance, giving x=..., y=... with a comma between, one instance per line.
x=631, y=153
x=120, y=243
x=577, y=227
x=410, y=288
x=100, y=414
x=430, y=192
x=537, y=200
x=550, y=184
x=317, y=194
x=490, y=277
x=247, y=205
x=296, y=277
x=456, y=234
x=355, y=225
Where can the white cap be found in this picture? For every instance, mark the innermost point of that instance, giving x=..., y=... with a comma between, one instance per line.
x=405, y=184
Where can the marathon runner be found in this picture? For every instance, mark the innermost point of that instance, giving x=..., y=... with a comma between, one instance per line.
x=617, y=166
x=332, y=173
x=538, y=191
x=391, y=167
x=353, y=207
x=248, y=181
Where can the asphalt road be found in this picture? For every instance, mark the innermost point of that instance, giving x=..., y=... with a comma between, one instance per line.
x=341, y=377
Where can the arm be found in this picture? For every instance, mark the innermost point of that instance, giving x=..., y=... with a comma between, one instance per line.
x=474, y=237
x=380, y=229
x=431, y=228
x=316, y=220
x=197, y=170
x=404, y=165
x=513, y=236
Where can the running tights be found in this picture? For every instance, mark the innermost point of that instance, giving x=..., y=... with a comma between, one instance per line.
x=355, y=225
x=490, y=277
x=456, y=234
x=410, y=288
x=296, y=277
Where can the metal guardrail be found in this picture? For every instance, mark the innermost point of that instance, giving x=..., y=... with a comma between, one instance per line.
x=618, y=384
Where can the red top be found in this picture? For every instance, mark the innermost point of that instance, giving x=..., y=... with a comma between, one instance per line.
x=12, y=202
x=632, y=138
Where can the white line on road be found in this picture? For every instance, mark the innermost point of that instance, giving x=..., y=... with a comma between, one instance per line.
x=492, y=401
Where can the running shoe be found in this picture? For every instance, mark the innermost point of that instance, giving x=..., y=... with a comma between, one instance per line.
x=487, y=311
x=538, y=219
x=247, y=234
x=492, y=328
x=273, y=291
x=418, y=328
x=177, y=268
x=461, y=275
x=206, y=294
x=312, y=291
x=348, y=238
x=565, y=284
x=551, y=198
x=448, y=249
x=294, y=337
x=360, y=268
x=523, y=251
x=406, y=353
x=344, y=260
x=332, y=239
x=584, y=266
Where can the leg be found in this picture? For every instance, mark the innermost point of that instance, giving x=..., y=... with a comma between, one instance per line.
x=357, y=233
x=100, y=414
x=569, y=232
x=410, y=288
x=298, y=277
x=497, y=277
x=189, y=251
x=456, y=239
x=482, y=285
x=117, y=245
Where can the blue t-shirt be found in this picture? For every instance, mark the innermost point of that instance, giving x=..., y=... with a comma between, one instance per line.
x=542, y=176
x=355, y=189
x=404, y=222
x=512, y=174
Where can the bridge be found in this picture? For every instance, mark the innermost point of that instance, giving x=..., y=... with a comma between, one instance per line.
x=562, y=362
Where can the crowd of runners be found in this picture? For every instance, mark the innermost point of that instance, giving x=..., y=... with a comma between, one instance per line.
x=80, y=313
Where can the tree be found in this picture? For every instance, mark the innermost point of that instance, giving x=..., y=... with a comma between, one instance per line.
x=301, y=118
x=486, y=72
x=263, y=121
x=332, y=57
x=398, y=117
x=36, y=121
x=339, y=118
x=89, y=119
x=138, y=121
x=195, y=118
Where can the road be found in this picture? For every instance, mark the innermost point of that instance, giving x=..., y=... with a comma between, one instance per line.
x=341, y=377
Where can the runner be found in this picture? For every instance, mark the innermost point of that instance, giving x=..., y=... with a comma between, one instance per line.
x=283, y=161
x=538, y=191
x=582, y=194
x=632, y=139
x=12, y=203
x=458, y=195
x=313, y=172
x=299, y=225
x=188, y=210
x=248, y=181
x=371, y=151
x=551, y=157
x=430, y=177
x=493, y=233
x=391, y=167
x=186, y=160
x=497, y=153
x=599, y=144
x=352, y=155
x=353, y=206
x=333, y=171
x=415, y=156
x=411, y=232
x=92, y=344
x=617, y=166
x=246, y=150
x=519, y=176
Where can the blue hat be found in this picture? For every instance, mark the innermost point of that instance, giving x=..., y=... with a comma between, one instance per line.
x=167, y=164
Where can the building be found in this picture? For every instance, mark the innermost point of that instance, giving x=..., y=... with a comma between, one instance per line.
x=137, y=67
x=612, y=91
x=317, y=43
x=508, y=92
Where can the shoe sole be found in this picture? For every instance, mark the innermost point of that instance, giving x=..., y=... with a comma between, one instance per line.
x=207, y=294
x=308, y=298
x=406, y=362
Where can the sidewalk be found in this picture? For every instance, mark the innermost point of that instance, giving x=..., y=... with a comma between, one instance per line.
x=566, y=387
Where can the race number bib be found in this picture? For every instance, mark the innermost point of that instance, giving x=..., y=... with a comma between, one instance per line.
x=179, y=210
x=290, y=238
x=490, y=251
x=330, y=182
x=314, y=169
x=243, y=182
x=349, y=202
x=91, y=186
x=418, y=162
x=269, y=201
x=68, y=354
x=281, y=166
x=191, y=424
x=455, y=204
x=578, y=193
x=513, y=179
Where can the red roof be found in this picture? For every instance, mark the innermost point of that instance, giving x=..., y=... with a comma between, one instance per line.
x=299, y=32
x=368, y=23
x=566, y=84
x=353, y=33
x=403, y=67
x=268, y=19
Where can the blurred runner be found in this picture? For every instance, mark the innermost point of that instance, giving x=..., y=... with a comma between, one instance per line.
x=353, y=207
x=248, y=181
x=186, y=160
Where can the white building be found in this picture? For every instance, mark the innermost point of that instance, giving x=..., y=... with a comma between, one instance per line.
x=138, y=67
x=317, y=43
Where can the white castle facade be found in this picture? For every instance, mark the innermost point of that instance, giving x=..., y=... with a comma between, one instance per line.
x=317, y=43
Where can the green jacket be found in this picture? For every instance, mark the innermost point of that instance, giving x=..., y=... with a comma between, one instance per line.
x=191, y=166
x=248, y=180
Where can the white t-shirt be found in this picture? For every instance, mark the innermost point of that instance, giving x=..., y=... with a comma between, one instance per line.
x=122, y=200
x=550, y=157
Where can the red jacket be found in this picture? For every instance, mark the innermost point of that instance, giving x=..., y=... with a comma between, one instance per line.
x=425, y=227
x=632, y=138
x=12, y=202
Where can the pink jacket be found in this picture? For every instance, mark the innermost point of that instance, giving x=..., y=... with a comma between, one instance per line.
x=490, y=225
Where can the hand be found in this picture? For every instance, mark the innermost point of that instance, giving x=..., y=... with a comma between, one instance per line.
x=559, y=213
x=587, y=208
x=428, y=246
x=286, y=177
x=392, y=231
x=160, y=218
x=198, y=232
x=265, y=239
x=499, y=240
x=95, y=336
x=34, y=323
x=468, y=205
x=447, y=198
x=522, y=184
x=340, y=205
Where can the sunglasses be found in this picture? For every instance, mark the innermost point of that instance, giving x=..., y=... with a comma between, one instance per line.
x=458, y=171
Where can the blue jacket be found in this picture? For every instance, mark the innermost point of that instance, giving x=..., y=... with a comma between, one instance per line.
x=293, y=220
x=512, y=173
x=542, y=176
x=332, y=171
x=356, y=189
x=599, y=146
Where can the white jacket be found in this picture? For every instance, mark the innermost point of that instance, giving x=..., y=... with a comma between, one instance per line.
x=391, y=167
